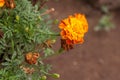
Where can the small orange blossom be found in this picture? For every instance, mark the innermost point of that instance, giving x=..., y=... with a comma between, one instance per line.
x=73, y=29
x=2, y=2
x=31, y=58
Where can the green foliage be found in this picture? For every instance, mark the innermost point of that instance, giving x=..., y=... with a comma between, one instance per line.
x=48, y=52
x=105, y=9
x=24, y=30
x=104, y=24
x=12, y=74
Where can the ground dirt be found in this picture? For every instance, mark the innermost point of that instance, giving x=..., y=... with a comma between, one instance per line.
x=99, y=57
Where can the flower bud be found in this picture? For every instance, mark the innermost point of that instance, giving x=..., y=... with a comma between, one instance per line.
x=17, y=17
x=27, y=29
x=53, y=41
x=55, y=75
x=43, y=78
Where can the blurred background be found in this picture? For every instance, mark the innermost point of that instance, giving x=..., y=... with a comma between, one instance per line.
x=99, y=57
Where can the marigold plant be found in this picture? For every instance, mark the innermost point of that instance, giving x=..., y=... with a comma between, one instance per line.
x=26, y=39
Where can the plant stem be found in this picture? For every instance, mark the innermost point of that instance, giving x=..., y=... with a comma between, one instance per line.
x=52, y=34
x=60, y=51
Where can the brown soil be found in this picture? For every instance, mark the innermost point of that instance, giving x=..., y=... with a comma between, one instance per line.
x=99, y=57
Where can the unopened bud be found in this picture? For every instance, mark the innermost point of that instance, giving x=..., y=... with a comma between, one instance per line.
x=43, y=78
x=53, y=41
x=26, y=29
x=55, y=75
x=17, y=17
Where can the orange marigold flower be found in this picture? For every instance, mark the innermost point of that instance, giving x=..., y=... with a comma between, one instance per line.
x=73, y=29
x=31, y=58
x=2, y=2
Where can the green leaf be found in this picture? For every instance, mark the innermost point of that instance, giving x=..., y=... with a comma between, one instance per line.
x=48, y=52
x=6, y=64
x=14, y=55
